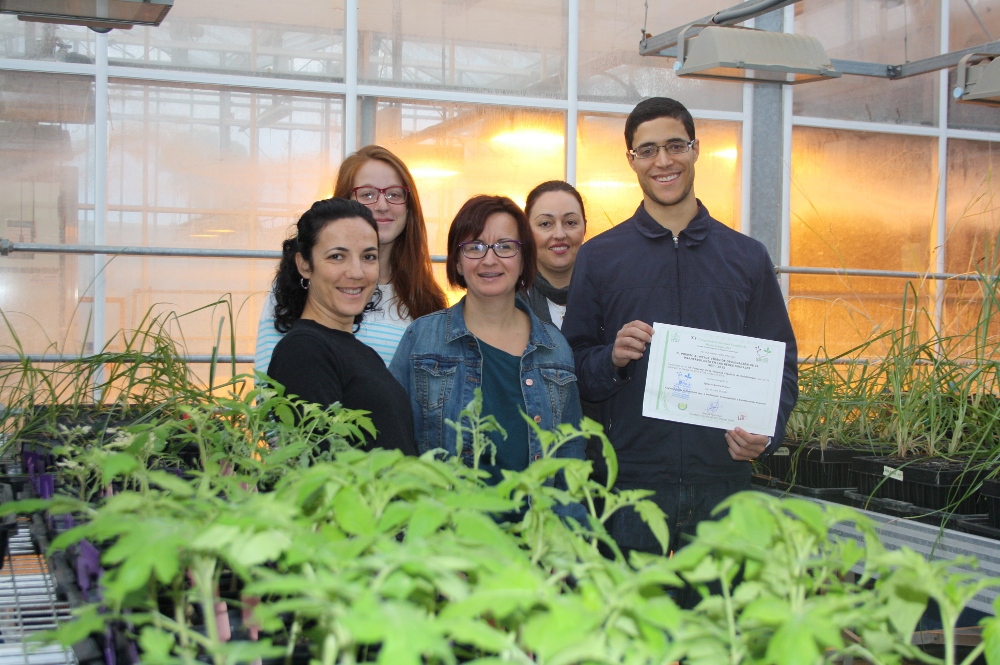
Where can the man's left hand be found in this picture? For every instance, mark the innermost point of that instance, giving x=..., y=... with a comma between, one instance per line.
x=744, y=446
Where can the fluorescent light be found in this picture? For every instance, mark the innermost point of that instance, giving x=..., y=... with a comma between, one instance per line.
x=977, y=79
x=203, y=235
x=752, y=56
x=102, y=15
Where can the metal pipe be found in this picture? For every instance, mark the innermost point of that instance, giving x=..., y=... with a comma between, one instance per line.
x=6, y=247
x=893, y=274
x=743, y=12
x=572, y=86
x=66, y=358
x=101, y=145
x=40, y=248
x=350, y=138
x=663, y=43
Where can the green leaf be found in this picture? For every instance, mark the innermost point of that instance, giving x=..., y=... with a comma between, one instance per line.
x=259, y=548
x=793, y=644
x=656, y=520
x=610, y=458
x=767, y=611
x=352, y=513
x=157, y=646
x=284, y=414
x=87, y=620
x=991, y=635
x=427, y=518
x=478, y=634
x=565, y=624
x=171, y=483
x=118, y=464
x=25, y=507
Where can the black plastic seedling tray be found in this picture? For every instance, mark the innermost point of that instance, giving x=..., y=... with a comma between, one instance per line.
x=991, y=495
x=930, y=483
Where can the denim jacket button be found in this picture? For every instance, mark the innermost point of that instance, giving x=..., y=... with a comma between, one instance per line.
x=538, y=456
x=537, y=419
x=529, y=382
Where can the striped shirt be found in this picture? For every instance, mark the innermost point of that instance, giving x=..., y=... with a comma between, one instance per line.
x=381, y=329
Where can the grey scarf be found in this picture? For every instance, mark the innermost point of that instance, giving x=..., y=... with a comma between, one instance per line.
x=540, y=292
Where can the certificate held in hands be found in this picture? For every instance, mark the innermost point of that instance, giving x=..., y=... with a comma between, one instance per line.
x=713, y=379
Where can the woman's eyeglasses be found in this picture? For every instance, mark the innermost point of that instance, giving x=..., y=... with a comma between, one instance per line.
x=369, y=195
x=476, y=249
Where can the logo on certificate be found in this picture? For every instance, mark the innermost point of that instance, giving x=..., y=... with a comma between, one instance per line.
x=742, y=416
x=682, y=406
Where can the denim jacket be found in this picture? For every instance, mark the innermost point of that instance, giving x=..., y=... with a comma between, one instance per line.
x=439, y=363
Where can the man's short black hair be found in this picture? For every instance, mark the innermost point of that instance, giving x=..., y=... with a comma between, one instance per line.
x=653, y=108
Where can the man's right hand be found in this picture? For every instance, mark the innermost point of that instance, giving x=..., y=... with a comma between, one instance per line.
x=631, y=342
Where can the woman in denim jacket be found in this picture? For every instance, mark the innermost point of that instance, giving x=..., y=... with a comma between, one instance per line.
x=489, y=340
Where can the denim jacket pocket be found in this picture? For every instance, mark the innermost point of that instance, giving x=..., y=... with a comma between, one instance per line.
x=557, y=387
x=434, y=380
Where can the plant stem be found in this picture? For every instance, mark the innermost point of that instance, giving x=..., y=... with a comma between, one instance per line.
x=204, y=579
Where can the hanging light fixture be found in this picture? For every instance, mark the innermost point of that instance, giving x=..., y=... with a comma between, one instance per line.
x=751, y=56
x=100, y=15
x=977, y=79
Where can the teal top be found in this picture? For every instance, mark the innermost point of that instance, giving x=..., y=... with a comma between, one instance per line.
x=503, y=400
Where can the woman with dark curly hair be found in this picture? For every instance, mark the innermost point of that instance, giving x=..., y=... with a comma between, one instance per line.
x=325, y=282
x=380, y=180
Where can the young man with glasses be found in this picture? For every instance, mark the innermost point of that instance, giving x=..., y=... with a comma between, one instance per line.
x=671, y=262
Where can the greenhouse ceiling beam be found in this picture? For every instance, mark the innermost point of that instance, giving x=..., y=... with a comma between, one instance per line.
x=915, y=68
x=664, y=43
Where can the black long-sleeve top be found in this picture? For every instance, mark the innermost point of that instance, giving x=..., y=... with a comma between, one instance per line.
x=323, y=365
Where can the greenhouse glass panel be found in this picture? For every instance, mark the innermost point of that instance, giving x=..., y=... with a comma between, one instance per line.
x=202, y=293
x=611, y=191
x=611, y=69
x=304, y=38
x=488, y=45
x=859, y=200
x=46, y=196
x=972, y=22
x=456, y=151
x=217, y=168
x=973, y=240
x=888, y=32
x=45, y=41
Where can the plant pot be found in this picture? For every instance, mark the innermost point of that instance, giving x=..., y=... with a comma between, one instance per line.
x=991, y=495
x=815, y=467
x=931, y=483
x=8, y=524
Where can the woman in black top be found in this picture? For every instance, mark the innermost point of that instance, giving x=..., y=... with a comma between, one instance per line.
x=325, y=281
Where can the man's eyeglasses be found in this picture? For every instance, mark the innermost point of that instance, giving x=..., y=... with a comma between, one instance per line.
x=649, y=150
x=476, y=249
x=369, y=195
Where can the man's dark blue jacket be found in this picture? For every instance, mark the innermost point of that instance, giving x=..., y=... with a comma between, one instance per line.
x=708, y=277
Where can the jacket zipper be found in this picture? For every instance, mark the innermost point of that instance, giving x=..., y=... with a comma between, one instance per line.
x=680, y=322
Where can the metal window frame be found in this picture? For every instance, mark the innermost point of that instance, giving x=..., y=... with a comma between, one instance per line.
x=570, y=105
